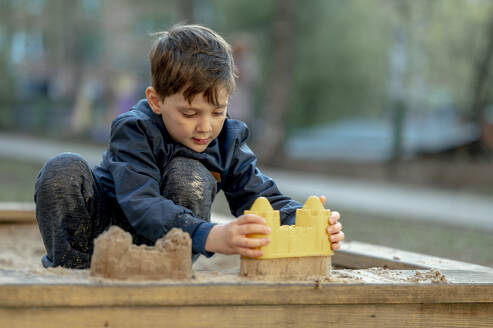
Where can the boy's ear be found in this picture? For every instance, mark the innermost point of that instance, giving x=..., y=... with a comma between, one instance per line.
x=154, y=100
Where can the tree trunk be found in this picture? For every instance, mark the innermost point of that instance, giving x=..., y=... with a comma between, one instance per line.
x=280, y=83
x=186, y=10
x=480, y=87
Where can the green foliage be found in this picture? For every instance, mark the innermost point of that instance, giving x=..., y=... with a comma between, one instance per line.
x=342, y=47
x=17, y=180
x=6, y=90
x=341, y=61
x=254, y=16
x=445, y=39
x=6, y=79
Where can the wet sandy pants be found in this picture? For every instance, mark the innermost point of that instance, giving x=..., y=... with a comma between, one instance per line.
x=72, y=208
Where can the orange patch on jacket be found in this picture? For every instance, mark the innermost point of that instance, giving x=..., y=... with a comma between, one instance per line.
x=216, y=176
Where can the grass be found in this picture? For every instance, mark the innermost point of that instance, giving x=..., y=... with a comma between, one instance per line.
x=469, y=245
x=17, y=180
x=464, y=244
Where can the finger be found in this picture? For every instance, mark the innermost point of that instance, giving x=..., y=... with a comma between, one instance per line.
x=253, y=228
x=336, y=246
x=335, y=228
x=323, y=199
x=248, y=252
x=250, y=218
x=251, y=242
x=334, y=217
x=337, y=237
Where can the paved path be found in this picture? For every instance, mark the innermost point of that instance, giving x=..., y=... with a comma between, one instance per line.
x=39, y=150
x=399, y=201
x=392, y=200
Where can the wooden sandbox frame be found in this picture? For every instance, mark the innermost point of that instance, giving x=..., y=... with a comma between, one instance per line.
x=465, y=301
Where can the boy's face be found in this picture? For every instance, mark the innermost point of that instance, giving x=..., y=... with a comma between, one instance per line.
x=194, y=125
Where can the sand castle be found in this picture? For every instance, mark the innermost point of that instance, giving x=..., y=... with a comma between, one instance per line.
x=294, y=251
x=308, y=237
x=116, y=257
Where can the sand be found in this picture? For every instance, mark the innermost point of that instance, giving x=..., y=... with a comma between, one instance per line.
x=21, y=249
x=286, y=268
x=115, y=256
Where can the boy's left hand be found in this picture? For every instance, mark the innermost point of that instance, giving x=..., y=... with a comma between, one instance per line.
x=335, y=228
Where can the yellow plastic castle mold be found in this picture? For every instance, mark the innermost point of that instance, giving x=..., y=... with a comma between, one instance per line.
x=308, y=237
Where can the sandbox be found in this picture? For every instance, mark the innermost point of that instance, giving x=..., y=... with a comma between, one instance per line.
x=369, y=286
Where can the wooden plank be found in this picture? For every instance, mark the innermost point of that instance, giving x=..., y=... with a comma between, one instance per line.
x=358, y=315
x=358, y=255
x=97, y=296
x=37, y=301
x=460, y=289
x=17, y=212
x=28, y=300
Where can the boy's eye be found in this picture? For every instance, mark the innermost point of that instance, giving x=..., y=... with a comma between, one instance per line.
x=218, y=113
x=189, y=115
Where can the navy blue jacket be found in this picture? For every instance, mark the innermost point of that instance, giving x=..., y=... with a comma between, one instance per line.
x=132, y=168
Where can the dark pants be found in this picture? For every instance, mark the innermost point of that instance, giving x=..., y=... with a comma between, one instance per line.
x=72, y=208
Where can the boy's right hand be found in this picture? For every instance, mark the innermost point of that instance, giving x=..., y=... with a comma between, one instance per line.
x=231, y=238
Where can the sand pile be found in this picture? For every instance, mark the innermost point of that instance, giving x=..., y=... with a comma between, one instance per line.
x=116, y=257
x=435, y=276
x=21, y=249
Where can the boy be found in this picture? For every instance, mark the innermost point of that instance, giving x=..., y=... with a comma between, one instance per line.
x=168, y=157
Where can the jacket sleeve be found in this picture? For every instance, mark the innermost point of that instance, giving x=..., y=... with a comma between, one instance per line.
x=246, y=182
x=136, y=176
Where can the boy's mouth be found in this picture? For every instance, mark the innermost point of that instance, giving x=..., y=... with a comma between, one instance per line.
x=201, y=141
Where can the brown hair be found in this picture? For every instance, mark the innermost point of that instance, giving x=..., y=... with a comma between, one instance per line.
x=191, y=59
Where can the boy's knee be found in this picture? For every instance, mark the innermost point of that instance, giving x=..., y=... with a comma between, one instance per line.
x=186, y=178
x=189, y=173
x=65, y=168
x=67, y=160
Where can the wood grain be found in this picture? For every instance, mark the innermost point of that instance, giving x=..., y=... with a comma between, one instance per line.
x=32, y=293
x=355, y=315
x=358, y=255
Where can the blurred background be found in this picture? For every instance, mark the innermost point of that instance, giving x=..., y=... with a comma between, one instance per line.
x=385, y=106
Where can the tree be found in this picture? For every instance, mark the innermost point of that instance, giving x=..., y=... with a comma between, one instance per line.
x=280, y=82
x=186, y=9
x=481, y=74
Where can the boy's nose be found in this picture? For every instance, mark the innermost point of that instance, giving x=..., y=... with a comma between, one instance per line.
x=205, y=125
